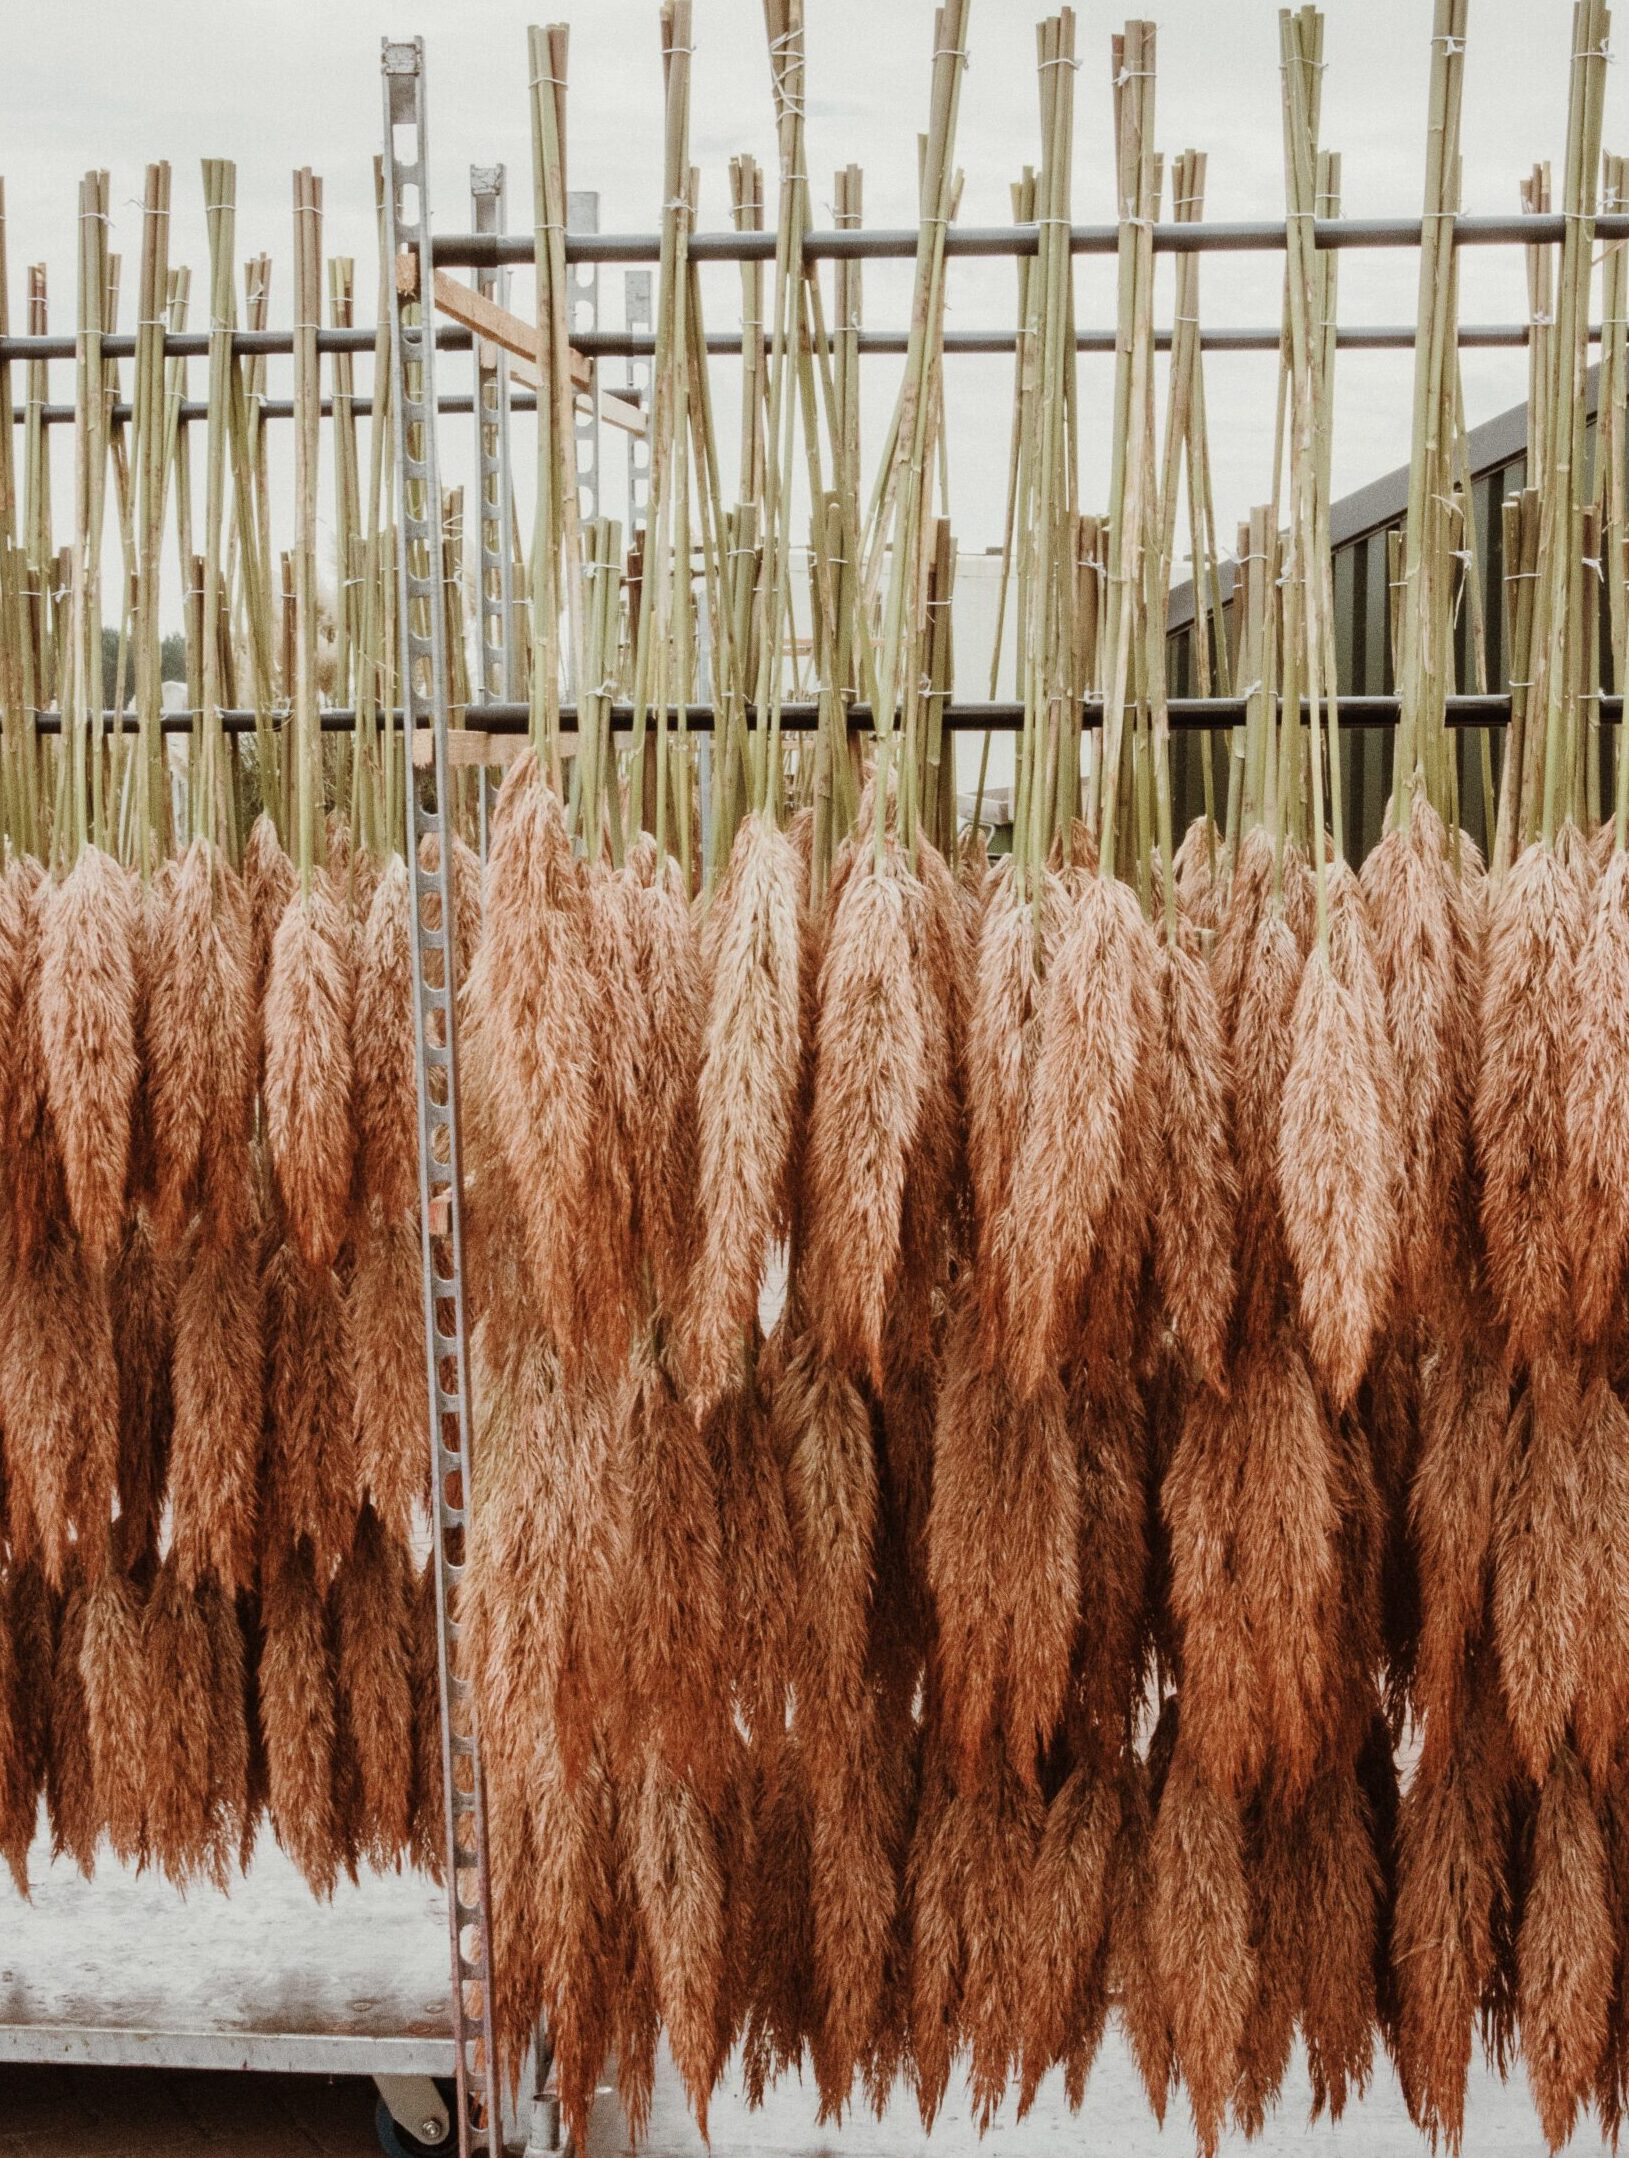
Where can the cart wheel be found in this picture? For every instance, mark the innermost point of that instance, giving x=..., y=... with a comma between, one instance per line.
x=396, y=2142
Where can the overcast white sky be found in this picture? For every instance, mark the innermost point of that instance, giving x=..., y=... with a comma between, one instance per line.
x=96, y=82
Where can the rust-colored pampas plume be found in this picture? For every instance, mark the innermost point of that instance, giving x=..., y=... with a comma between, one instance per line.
x=1003, y=1552
x=1565, y=1950
x=1339, y=1885
x=1335, y=1178
x=736, y=1822
x=70, y=1782
x=429, y=1832
x=671, y=1604
x=371, y=1606
x=1003, y=1032
x=540, y=1485
x=180, y=1658
x=608, y=1277
x=1538, y=1576
x=384, y=1330
x=996, y=1827
x=1066, y=1919
x=33, y=1196
x=141, y=1297
x=311, y=1486
x=822, y=1429
x=1132, y=1973
x=1537, y=925
x=934, y=1224
x=635, y=2019
x=218, y=1381
x=576, y=1840
x=1406, y=882
x=1450, y=1840
x=59, y=1408
x=667, y=966
x=310, y=1132
x=869, y=1073
x=1596, y=1080
x=1279, y=1954
x=1246, y=898
x=1465, y=1428
x=1201, y=1935
x=19, y=1787
x=757, y=1559
x=296, y=1700
x=1262, y=1040
x=854, y=1889
x=271, y=881
x=231, y=1819
x=201, y=1042
x=681, y=1896
x=535, y=1049
x=1601, y=1708
x=1199, y=1501
x=1111, y=1436
x=114, y=1672
x=1194, y=1217
x=89, y=925
x=783, y=1922
x=747, y=1092
x=387, y=1110
x=1072, y=1160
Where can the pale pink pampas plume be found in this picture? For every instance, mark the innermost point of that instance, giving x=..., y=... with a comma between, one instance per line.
x=1601, y=1707
x=667, y=965
x=271, y=881
x=370, y=1605
x=534, y=1051
x=1003, y=1552
x=1198, y=866
x=384, y=1330
x=1066, y=1918
x=114, y=1672
x=1072, y=1161
x=310, y=1133
x=1537, y=926
x=1464, y=1431
x=296, y=1703
x=747, y=1092
x=59, y=1408
x=1200, y=1924
x=757, y=1558
x=1335, y=1178
x=1246, y=899
x=180, y=1660
x=1407, y=884
x=311, y=1487
x=33, y=1195
x=218, y=1383
x=201, y=1044
x=1565, y=1950
x=671, y=1603
x=1596, y=1082
x=869, y=1084
x=89, y=930
x=385, y=1067
x=1195, y=1217
x=1538, y=1577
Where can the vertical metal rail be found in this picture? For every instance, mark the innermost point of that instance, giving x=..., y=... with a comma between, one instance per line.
x=498, y=669
x=425, y=698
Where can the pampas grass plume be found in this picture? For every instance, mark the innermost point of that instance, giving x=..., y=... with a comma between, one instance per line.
x=371, y=1606
x=310, y=1132
x=1564, y=1950
x=384, y=1331
x=180, y=1658
x=271, y=881
x=385, y=1058
x=297, y=1723
x=1538, y=1583
x=218, y=1386
x=113, y=1670
x=1195, y=1212
x=1596, y=1080
x=312, y=1488
x=89, y=928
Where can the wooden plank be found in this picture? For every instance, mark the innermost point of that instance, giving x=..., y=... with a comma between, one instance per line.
x=474, y=746
x=498, y=326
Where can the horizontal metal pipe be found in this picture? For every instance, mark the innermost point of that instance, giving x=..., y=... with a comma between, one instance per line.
x=1190, y=714
x=485, y=251
x=282, y=408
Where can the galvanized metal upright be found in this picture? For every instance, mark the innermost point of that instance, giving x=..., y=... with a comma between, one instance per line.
x=425, y=702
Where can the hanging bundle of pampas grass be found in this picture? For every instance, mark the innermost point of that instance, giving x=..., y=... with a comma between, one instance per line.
x=310, y=1129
